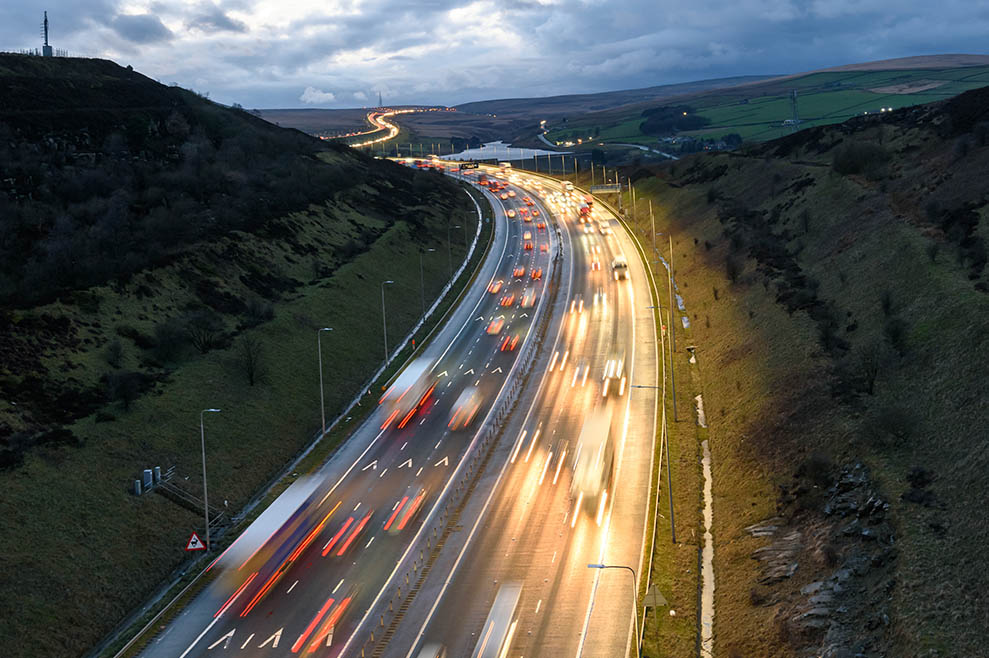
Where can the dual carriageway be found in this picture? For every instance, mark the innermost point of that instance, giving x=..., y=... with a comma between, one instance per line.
x=324, y=582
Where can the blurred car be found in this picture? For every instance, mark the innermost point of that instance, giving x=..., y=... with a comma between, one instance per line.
x=508, y=343
x=535, y=212
x=404, y=512
x=507, y=300
x=528, y=298
x=619, y=268
x=577, y=304
x=519, y=271
x=613, y=379
x=544, y=247
x=595, y=265
x=527, y=235
x=537, y=273
x=465, y=408
x=495, y=287
x=504, y=196
x=511, y=213
x=511, y=193
x=541, y=225
x=526, y=199
x=528, y=246
x=604, y=226
x=494, y=327
x=588, y=228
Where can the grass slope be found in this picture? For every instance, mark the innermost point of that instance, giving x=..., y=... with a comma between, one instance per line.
x=841, y=316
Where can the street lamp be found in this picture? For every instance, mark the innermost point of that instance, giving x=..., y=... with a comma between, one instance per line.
x=202, y=439
x=322, y=407
x=384, y=322
x=635, y=616
x=422, y=282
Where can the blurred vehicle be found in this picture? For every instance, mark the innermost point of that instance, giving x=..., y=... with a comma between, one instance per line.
x=404, y=512
x=613, y=379
x=504, y=196
x=507, y=300
x=528, y=298
x=465, y=408
x=494, y=327
x=526, y=199
x=544, y=247
x=527, y=235
x=495, y=637
x=409, y=393
x=495, y=286
x=541, y=225
x=537, y=273
x=519, y=271
x=511, y=193
x=604, y=226
x=588, y=228
x=567, y=186
x=595, y=265
x=535, y=212
x=524, y=213
x=577, y=304
x=508, y=343
x=527, y=246
x=619, y=266
x=511, y=213
x=432, y=650
x=594, y=460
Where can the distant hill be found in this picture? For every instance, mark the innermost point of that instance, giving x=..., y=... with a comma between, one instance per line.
x=551, y=107
x=756, y=111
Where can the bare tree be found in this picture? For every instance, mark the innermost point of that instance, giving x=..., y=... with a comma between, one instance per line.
x=250, y=358
x=203, y=329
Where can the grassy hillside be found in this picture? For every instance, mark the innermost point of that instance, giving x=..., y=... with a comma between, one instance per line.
x=836, y=290
x=756, y=111
x=104, y=375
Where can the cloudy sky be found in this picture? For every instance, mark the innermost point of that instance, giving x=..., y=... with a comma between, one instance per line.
x=340, y=53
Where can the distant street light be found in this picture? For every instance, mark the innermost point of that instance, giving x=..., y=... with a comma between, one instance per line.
x=635, y=615
x=422, y=281
x=384, y=321
x=322, y=407
x=202, y=440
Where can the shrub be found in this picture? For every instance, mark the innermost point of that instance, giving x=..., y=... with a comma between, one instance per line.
x=114, y=353
x=860, y=158
x=258, y=311
x=170, y=336
x=203, y=329
x=890, y=425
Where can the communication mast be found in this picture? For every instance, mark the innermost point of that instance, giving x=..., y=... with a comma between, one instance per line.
x=794, y=121
x=47, y=49
x=380, y=104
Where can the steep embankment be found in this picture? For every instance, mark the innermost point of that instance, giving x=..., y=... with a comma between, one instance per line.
x=162, y=255
x=836, y=288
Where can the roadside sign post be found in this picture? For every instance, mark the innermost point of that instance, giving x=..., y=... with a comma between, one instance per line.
x=195, y=543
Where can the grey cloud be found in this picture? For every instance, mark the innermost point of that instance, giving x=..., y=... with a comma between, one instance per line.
x=211, y=18
x=140, y=28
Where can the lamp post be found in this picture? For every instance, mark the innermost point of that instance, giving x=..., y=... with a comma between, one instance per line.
x=322, y=406
x=635, y=615
x=422, y=281
x=384, y=321
x=202, y=440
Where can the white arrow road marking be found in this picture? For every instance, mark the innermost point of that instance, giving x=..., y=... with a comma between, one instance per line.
x=273, y=639
x=469, y=372
x=383, y=473
x=445, y=462
x=497, y=370
x=480, y=317
x=373, y=465
x=225, y=639
x=443, y=374
x=329, y=636
x=407, y=462
x=249, y=638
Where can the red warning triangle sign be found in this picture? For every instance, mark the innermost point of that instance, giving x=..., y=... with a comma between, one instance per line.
x=195, y=543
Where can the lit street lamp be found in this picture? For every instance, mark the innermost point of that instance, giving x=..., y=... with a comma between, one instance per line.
x=322, y=407
x=635, y=616
x=384, y=321
x=202, y=439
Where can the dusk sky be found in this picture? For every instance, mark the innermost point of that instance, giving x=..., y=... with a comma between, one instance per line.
x=303, y=53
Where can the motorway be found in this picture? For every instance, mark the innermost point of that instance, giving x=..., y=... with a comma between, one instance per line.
x=316, y=585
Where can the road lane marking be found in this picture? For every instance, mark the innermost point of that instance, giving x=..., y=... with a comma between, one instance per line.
x=249, y=638
x=292, y=587
x=337, y=587
x=225, y=639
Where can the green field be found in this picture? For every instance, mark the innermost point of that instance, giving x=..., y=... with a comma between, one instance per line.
x=756, y=112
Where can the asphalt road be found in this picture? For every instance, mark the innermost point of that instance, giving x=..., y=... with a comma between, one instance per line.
x=307, y=589
x=531, y=532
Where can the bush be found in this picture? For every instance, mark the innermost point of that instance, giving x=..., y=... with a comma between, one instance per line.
x=203, y=328
x=258, y=311
x=890, y=425
x=860, y=158
x=114, y=353
x=170, y=336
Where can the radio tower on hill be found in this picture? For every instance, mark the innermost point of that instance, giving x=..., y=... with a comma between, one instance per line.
x=46, y=50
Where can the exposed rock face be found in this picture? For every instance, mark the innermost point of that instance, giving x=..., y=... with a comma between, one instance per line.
x=827, y=565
